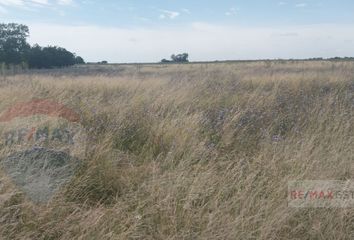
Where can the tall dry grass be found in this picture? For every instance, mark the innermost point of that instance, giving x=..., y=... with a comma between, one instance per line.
x=199, y=151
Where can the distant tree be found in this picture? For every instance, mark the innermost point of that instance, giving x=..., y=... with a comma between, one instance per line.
x=79, y=60
x=165, y=61
x=50, y=57
x=316, y=59
x=13, y=43
x=36, y=58
x=15, y=50
x=184, y=57
x=179, y=58
x=103, y=62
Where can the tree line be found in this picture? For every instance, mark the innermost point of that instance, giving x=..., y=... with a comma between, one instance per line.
x=15, y=50
x=179, y=58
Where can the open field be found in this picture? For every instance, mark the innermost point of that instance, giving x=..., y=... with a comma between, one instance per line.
x=192, y=151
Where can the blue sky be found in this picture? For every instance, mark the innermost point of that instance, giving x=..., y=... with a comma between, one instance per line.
x=147, y=30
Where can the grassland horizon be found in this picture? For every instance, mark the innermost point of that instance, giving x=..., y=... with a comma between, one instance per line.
x=191, y=151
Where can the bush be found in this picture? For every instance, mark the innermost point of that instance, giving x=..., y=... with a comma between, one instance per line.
x=49, y=57
x=179, y=58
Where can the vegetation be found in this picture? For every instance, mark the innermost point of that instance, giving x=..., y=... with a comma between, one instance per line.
x=14, y=50
x=49, y=57
x=197, y=151
x=13, y=45
x=179, y=58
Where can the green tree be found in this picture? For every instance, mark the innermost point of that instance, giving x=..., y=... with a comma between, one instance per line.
x=13, y=43
x=180, y=57
x=14, y=50
x=51, y=56
x=79, y=60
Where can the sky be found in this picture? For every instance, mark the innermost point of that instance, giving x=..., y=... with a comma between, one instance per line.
x=149, y=30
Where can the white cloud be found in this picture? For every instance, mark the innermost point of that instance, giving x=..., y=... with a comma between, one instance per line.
x=65, y=2
x=43, y=2
x=232, y=11
x=90, y=2
x=301, y=5
x=169, y=14
x=144, y=19
x=31, y=5
x=61, y=13
x=3, y=10
x=12, y=3
x=232, y=42
x=185, y=10
x=282, y=3
x=22, y=3
x=286, y=34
